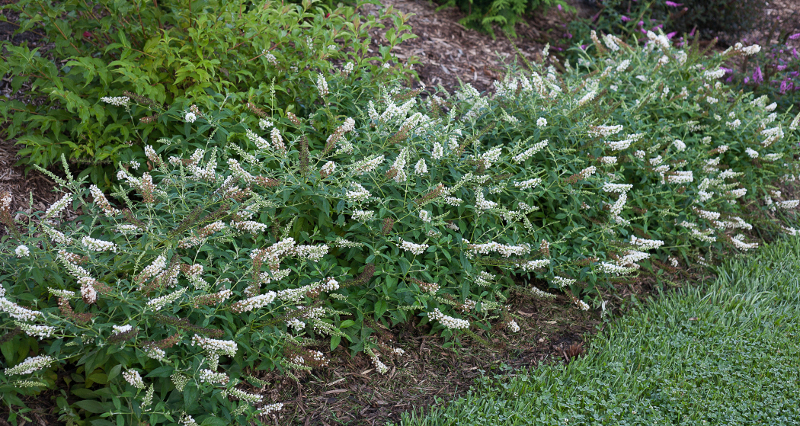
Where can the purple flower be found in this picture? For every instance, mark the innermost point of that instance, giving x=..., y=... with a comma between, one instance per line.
x=794, y=36
x=672, y=34
x=727, y=70
x=758, y=77
x=691, y=34
x=568, y=35
x=583, y=46
x=641, y=23
x=781, y=67
x=729, y=79
x=673, y=4
x=746, y=80
x=559, y=7
x=625, y=18
x=784, y=87
x=794, y=52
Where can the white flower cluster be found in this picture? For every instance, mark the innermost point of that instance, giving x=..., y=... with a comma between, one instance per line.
x=563, y=282
x=708, y=215
x=420, y=168
x=644, y=244
x=14, y=310
x=322, y=85
x=738, y=242
x=260, y=142
x=254, y=302
x=328, y=169
x=513, y=326
x=159, y=302
x=631, y=257
x=608, y=160
x=22, y=251
x=154, y=268
x=122, y=101
x=448, y=321
x=101, y=201
x=208, y=376
x=98, y=245
x=40, y=331
x=617, y=187
x=415, y=249
x=534, y=264
x=30, y=365
x=121, y=329
x=363, y=215
x=738, y=193
x=610, y=268
x=242, y=395
x=747, y=51
x=680, y=177
x=358, y=194
x=772, y=134
x=88, y=292
x=187, y=420
x=226, y=347
x=481, y=202
x=56, y=208
x=504, y=249
x=155, y=352
x=277, y=139
x=272, y=408
x=605, y=131
x=527, y=184
x=519, y=158
x=582, y=305
x=133, y=377
x=314, y=253
x=714, y=74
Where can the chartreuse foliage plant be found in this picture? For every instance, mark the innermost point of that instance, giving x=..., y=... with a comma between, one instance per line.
x=249, y=242
x=161, y=52
x=721, y=353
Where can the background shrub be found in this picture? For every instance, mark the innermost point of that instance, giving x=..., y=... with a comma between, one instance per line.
x=485, y=14
x=728, y=20
x=162, y=52
x=281, y=241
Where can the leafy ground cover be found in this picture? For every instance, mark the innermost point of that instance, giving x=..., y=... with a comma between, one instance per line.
x=724, y=352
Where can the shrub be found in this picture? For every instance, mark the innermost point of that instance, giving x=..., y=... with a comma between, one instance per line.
x=266, y=248
x=773, y=71
x=728, y=20
x=164, y=52
x=485, y=14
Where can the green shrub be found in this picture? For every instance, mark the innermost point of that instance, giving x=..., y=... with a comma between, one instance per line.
x=164, y=52
x=729, y=20
x=284, y=240
x=485, y=14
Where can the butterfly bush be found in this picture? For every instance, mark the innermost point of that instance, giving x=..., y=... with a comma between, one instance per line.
x=225, y=259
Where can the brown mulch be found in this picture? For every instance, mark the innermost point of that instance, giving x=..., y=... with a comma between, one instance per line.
x=448, y=53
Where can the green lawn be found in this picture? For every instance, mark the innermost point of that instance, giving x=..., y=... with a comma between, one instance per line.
x=725, y=352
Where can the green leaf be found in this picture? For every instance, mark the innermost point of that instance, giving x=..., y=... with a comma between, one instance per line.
x=93, y=406
x=163, y=371
x=335, y=340
x=380, y=307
